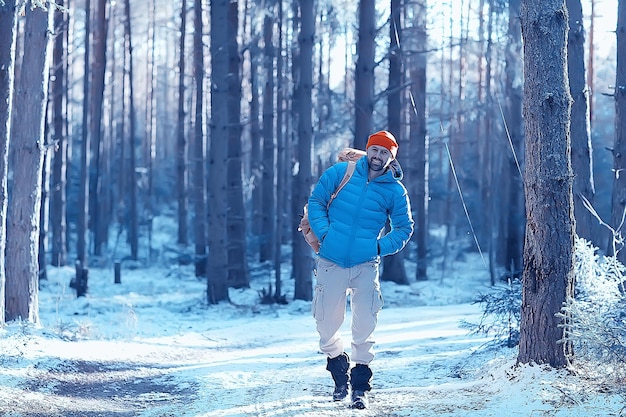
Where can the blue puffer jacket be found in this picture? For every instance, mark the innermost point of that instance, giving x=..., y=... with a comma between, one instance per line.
x=352, y=230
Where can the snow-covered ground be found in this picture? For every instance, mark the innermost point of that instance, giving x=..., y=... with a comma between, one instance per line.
x=150, y=346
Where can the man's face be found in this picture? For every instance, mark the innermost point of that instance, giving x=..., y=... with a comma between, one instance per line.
x=378, y=157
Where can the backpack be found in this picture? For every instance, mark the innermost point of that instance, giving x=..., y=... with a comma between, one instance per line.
x=351, y=156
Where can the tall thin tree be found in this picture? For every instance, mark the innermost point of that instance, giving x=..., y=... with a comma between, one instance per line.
x=8, y=37
x=393, y=266
x=580, y=129
x=28, y=147
x=549, y=244
x=133, y=215
x=97, y=69
x=236, y=218
x=83, y=195
x=58, y=224
x=303, y=183
x=364, y=73
x=217, y=282
x=181, y=142
x=198, y=195
x=618, y=209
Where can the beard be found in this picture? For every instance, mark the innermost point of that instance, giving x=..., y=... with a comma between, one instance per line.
x=376, y=164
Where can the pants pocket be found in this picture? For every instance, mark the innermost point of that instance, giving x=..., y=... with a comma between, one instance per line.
x=377, y=301
x=317, y=305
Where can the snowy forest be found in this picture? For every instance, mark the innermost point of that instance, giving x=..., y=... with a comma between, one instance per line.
x=221, y=115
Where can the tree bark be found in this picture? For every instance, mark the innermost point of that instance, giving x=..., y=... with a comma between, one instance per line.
x=393, y=266
x=22, y=252
x=364, y=73
x=133, y=217
x=548, y=253
x=181, y=142
x=199, y=190
x=218, y=239
x=513, y=191
x=269, y=146
x=83, y=197
x=580, y=129
x=304, y=181
x=8, y=37
x=97, y=197
x=618, y=209
x=58, y=199
x=236, y=218
x=414, y=159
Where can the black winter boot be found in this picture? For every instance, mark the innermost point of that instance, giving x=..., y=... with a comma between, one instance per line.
x=361, y=380
x=338, y=367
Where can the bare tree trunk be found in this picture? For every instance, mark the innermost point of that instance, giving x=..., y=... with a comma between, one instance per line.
x=513, y=228
x=96, y=196
x=44, y=218
x=393, y=266
x=199, y=188
x=134, y=214
x=416, y=158
x=618, y=211
x=22, y=251
x=590, y=58
x=281, y=164
x=268, y=217
x=304, y=181
x=83, y=196
x=181, y=143
x=580, y=131
x=58, y=200
x=548, y=254
x=364, y=73
x=218, y=251
x=151, y=127
x=236, y=217
x=8, y=36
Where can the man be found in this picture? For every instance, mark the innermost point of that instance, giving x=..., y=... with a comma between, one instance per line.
x=353, y=240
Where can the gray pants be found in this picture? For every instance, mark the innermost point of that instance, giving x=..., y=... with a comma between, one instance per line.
x=333, y=285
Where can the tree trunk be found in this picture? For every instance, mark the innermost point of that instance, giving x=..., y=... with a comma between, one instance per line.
x=132, y=151
x=414, y=159
x=580, y=130
x=364, y=73
x=181, y=142
x=96, y=196
x=83, y=196
x=199, y=188
x=218, y=252
x=304, y=181
x=281, y=164
x=236, y=218
x=268, y=217
x=58, y=200
x=393, y=266
x=22, y=251
x=548, y=253
x=513, y=226
x=618, y=210
x=8, y=36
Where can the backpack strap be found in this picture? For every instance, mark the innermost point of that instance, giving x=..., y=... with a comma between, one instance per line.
x=344, y=181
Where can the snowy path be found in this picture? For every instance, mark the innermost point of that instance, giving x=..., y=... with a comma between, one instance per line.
x=260, y=365
x=151, y=348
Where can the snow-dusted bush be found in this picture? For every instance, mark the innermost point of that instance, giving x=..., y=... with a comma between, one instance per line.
x=595, y=319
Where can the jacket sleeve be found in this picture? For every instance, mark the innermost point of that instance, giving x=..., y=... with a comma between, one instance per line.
x=402, y=224
x=318, y=201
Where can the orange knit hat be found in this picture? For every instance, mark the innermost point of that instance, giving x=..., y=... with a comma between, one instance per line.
x=384, y=139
